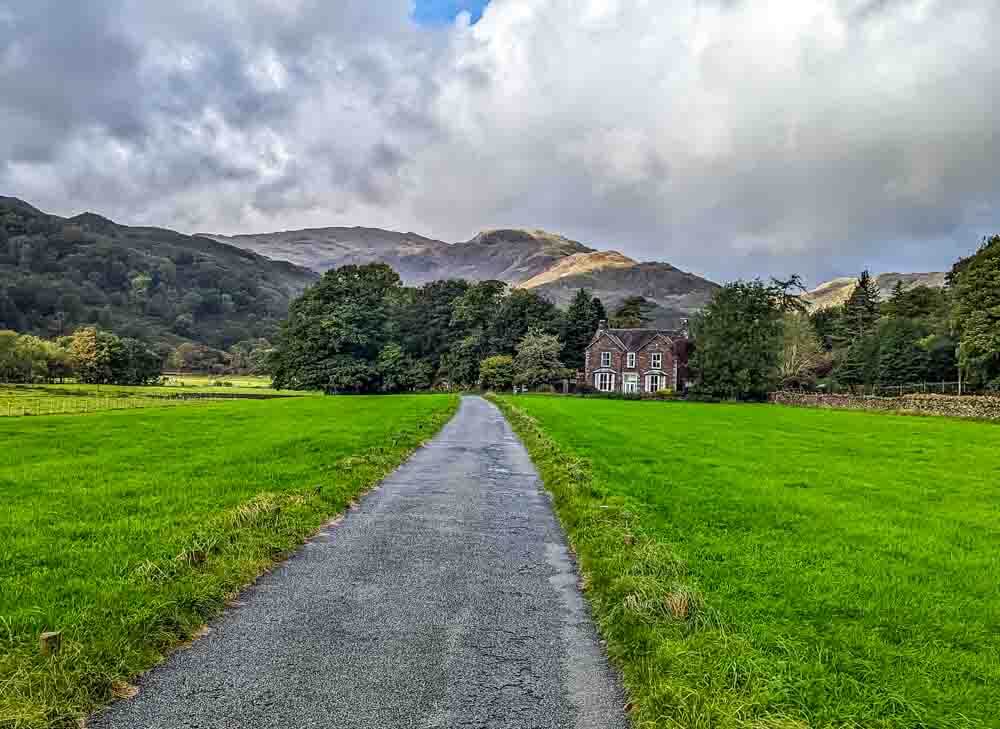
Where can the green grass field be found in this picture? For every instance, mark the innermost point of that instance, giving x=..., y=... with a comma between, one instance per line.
x=73, y=398
x=766, y=567
x=127, y=530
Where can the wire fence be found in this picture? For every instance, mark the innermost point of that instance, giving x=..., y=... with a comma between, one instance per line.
x=22, y=406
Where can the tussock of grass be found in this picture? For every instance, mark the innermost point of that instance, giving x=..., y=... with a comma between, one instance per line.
x=777, y=568
x=128, y=530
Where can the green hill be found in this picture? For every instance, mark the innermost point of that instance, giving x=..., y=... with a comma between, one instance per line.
x=60, y=273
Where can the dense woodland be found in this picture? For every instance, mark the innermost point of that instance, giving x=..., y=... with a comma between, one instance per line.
x=753, y=338
x=360, y=330
x=165, y=288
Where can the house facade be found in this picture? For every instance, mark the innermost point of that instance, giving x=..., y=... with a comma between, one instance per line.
x=634, y=361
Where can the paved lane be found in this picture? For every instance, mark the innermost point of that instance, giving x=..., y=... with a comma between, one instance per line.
x=446, y=599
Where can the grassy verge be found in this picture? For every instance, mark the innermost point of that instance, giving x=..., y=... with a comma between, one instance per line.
x=774, y=567
x=128, y=530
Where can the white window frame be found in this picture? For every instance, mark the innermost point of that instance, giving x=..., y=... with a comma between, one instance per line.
x=656, y=361
x=604, y=381
x=630, y=383
x=631, y=361
x=605, y=359
x=660, y=382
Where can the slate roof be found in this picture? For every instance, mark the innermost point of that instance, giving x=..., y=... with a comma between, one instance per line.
x=635, y=339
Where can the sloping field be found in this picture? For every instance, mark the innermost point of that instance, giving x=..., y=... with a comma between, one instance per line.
x=760, y=566
x=127, y=530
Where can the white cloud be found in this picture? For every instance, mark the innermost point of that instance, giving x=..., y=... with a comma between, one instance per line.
x=723, y=135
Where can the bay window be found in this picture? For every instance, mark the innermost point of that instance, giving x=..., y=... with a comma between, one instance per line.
x=604, y=381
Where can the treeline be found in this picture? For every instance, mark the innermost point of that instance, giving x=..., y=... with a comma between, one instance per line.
x=755, y=337
x=360, y=330
x=25, y=358
x=89, y=356
x=907, y=339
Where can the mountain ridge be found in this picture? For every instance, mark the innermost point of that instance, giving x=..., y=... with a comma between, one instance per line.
x=549, y=263
x=837, y=291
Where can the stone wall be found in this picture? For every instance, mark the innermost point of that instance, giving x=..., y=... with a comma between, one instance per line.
x=967, y=406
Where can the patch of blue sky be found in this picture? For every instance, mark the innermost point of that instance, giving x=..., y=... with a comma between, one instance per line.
x=440, y=12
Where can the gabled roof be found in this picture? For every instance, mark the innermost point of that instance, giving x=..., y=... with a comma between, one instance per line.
x=632, y=340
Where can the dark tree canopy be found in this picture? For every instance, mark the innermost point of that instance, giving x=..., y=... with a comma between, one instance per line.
x=578, y=327
x=738, y=341
x=425, y=317
x=520, y=312
x=976, y=314
x=336, y=331
x=861, y=311
x=359, y=330
x=906, y=340
x=634, y=313
x=902, y=358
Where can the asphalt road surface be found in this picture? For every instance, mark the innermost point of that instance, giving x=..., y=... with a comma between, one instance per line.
x=445, y=599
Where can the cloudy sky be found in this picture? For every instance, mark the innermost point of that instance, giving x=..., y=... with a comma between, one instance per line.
x=729, y=137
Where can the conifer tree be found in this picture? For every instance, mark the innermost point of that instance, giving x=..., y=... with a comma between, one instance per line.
x=600, y=313
x=861, y=310
x=633, y=313
x=579, y=325
x=902, y=359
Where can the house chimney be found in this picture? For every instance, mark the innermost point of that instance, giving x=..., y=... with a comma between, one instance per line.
x=686, y=328
x=602, y=325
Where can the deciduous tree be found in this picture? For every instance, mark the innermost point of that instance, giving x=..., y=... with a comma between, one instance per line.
x=336, y=330
x=497, y=373
x=537, y=360
x=802, y=354
x=976, y=313
x=738, y=341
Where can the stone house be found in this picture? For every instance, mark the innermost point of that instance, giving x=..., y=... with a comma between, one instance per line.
x=637, y=360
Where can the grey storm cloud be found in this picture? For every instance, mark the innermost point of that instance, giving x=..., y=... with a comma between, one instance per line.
x=730, y=137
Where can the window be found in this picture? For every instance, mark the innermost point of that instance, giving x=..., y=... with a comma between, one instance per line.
x=631, y=360
x=605, y=359
x=656, y=361
x=630, y=383
x=604, y=381
x=654, y=383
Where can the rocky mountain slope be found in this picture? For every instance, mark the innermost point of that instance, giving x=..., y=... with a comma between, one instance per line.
x=838, y=291
x=60, y=273
x=417, y=259
x=579, y=264
x=677, y=294
x=504, y=255
x=551, y=264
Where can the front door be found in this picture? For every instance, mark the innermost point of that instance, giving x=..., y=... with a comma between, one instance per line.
x=631, y=383
x=654, y=383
